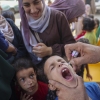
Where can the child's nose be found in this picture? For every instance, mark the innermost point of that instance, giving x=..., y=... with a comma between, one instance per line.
x=29, y=81
x=60, y=64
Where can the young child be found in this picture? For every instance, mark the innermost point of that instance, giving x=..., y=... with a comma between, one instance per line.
x=57, y=69
x=88, y=26
x=28, y=88
x=81, y=71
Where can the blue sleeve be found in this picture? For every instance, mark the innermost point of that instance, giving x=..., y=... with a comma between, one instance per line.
x=93, y=90
x=56, y=98
x=3, y=43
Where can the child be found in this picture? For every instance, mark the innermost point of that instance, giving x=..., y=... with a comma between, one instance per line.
x=88, y=26
x=57, y=69
x=28, y=88
x=81, y=71
x=97, y=28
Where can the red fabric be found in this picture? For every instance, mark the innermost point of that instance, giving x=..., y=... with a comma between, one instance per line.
x=40, y=94
x=80, y=35
x=42, y=91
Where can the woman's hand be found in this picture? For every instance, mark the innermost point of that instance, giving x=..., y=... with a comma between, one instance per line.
x=41, y=50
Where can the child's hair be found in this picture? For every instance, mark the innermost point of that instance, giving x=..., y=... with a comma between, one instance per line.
x=88, y=24
x=23, y=63
x=97, y=21
x=84, y=40
x=8, y=14
x=91, y=16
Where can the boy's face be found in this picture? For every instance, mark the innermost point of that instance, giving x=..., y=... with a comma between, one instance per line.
x=56, y=68
x=26, y=79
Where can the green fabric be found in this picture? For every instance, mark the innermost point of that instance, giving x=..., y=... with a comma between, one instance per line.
x=4, y=55
x=98, y=32
x=6, y=75
x=91, y=37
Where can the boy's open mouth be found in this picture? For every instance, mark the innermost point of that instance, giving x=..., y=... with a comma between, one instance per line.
x=66, y=74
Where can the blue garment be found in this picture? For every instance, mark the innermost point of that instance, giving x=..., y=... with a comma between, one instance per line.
x=56, y=98
x=93, y=90
x=3, y=43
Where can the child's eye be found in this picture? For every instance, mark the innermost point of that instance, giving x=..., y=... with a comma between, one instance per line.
x=62, y=61
x=31, y=76
x=26, y=5
x=22, y=79
x=52, y=67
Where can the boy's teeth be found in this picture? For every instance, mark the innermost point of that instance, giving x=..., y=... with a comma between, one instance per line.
x=63, y=70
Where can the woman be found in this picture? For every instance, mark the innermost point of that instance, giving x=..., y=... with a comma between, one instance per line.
x=71, y=8
x=13, y=36
x=40, y=23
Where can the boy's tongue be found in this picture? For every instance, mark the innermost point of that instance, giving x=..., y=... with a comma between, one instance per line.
x=66, y=74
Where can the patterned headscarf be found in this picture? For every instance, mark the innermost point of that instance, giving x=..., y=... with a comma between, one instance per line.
x=6, y=29
x=71, y=8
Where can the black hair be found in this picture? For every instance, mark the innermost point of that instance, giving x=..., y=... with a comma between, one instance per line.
x=83, y=40
x=91, y=16
x=97, y=21
x=23, y=63
x=8, y=14
x=88, y=24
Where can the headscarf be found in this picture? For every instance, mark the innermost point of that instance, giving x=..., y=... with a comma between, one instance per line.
x=71, y=8
x=6, y=29
x=38, y=25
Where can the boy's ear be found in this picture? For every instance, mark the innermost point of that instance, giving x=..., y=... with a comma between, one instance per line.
x=51, y=87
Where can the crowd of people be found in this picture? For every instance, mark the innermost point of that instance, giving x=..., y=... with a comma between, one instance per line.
x=36, y=60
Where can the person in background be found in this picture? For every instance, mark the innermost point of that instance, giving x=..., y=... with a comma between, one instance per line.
x=97, y=28
x=91, y=3
x=8, y=14
x=88, y=26
x=81, y=71
x=49, y=2
x=13, y=36
x=27, y=86
x=83, y=32
x=0, y=9
x=71, y=8
x=87, y=9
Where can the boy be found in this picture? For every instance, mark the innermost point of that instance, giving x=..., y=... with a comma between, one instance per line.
x=28, y=88
x=57, y=69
